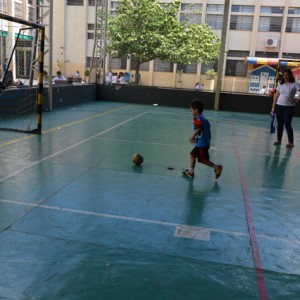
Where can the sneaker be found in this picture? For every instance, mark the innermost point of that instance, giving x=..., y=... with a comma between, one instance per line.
x=277, y=143
x=187, y=173
x=218, y=171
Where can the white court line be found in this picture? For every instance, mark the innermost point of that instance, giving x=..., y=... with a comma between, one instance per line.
x=181, y=230
x=68, y=148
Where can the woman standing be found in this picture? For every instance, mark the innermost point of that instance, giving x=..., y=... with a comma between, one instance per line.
x=284, y=106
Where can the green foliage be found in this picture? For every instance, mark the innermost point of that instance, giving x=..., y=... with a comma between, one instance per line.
x=87, y=73
x=211, y=74
x=147, y=29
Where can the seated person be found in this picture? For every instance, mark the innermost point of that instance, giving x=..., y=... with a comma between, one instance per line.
x=58, y=77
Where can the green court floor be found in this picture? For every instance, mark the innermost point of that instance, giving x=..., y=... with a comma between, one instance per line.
x=79, y=221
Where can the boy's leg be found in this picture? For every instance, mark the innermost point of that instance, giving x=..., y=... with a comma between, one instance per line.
x=190, y=172
x=204, y=159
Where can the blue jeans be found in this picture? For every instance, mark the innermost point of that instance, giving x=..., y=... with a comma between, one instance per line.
x=284, y=116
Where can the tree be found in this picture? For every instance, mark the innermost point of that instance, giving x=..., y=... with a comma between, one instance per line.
x=146, y=29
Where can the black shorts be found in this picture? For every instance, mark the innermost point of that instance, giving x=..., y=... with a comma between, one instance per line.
x=201, y=153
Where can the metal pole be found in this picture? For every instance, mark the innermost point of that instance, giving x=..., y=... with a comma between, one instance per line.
x=222, y=54
x=104, y=41
x=50, y=94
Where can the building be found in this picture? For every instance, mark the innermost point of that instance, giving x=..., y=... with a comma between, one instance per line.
x=257, y=29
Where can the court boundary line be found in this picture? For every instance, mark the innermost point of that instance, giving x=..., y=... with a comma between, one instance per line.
x=251, y=229
x=68, y=148
x=146, y=221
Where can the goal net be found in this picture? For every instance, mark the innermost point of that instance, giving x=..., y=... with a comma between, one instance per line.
x=21, y=72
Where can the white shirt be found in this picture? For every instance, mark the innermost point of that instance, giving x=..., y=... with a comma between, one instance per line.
x=287, y=92
x=58, y=78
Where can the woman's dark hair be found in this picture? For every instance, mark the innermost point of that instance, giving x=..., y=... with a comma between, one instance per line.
x=291, y=75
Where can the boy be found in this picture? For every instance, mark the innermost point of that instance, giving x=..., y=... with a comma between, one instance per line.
x=201, y=138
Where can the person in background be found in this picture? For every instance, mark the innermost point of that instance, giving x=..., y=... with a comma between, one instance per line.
x=263, y=91
x=199, y=86
x=58, y=77
x=109, y=77
x=114, y=78
x=284, y=106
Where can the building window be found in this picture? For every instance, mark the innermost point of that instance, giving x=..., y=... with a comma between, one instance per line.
x=294, y=11
x=190, y=13
x=18, y=9
x=3, y=6
x=241, y=22
x=118, y=63
x=91, y=26
x=271, y=10
x=215, y=21
x=270, y=24
x=187, y=69
x=236, y=68
x=75, y=2
x=208, y=66
x=31, y=14
x=266, y=54
x=92, y=2
x=235, y=53
x=215, y=8
x=161, y=66
x=293, y=25
x=291, y=55
x=242, y=8
x=143, y=66
x=90, y=35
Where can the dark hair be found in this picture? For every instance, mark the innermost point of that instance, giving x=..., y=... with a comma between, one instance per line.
x=290, y=73
x=196, y=104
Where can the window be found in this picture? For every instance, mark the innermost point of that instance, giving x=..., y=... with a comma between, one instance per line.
x=75, y=2
x=242, y=8
x=31, y=14
x=215, y=8
x=187, y=69
x=92, y=2
x=3, y=6
x=270, y=24
x=18, y=9
x=161, y=66
x=294, y=11
x=90, y=35
x=293, y=25
x=143, y=66
x=235, y=53
x=91, y=26
x=271, y=10
x=215, y=21
x=236, y=68
x=118, y=63
x=291, y=55
x=266, y=54
x=241, y=22
x=190, y=13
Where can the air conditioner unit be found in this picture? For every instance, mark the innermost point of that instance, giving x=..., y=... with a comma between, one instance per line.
x=271, y=42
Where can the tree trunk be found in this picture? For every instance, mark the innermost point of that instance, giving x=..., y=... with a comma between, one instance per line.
x=137, y=72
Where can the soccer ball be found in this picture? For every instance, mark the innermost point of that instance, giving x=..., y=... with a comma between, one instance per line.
x=137, y=159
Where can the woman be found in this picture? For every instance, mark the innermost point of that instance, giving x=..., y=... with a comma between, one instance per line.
x=284, y=106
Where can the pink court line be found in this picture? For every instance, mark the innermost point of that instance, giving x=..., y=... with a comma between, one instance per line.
x=253, y=241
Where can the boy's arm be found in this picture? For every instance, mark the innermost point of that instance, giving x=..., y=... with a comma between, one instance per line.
x=193, y=137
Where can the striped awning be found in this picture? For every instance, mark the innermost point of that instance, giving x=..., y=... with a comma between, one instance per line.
x=270, y=61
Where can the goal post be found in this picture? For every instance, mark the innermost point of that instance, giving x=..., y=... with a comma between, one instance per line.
x=20, y=101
